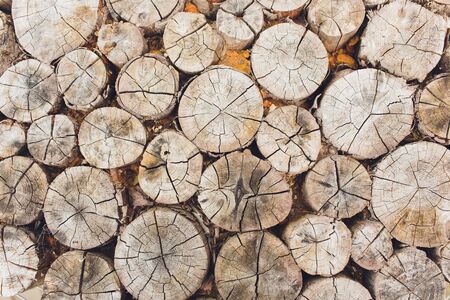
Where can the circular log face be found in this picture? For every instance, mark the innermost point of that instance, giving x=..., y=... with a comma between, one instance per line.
x=147, y=87
x=319, y=244
x=12, y=138
x=49, y=29
x=52, y=141
x=9, y=48
x=410, y=194
x=81, y=208
x=289, y=138
x=171, y=168
x=366, y=113
x=289, y=61
x=82, y=77
x=111, y=138
x=28, y=90
x=409, y=274
x=257, y=265
x=404, y=38
x=338, y=186
x=23, y=186
x=283, y=6
x=161, y=254
x=334, y=288
x=191, y=43
x=81, y=275
x=433, y=110
x=19, y=261
x=221, y=110
x=240, y=192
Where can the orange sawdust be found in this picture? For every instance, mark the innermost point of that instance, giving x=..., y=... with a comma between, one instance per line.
x=237, y=59
x=344, y=56
x=191, y=8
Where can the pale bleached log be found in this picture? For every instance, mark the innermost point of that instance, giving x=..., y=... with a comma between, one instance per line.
x=147, y=87
x=337, y=186
x=404, y=38
x=366, y=113
x=221, y=110
x=12, y=138
x=171, y=168
x=81, y=208
x=320, y=245
x=442, y=259
x=5, y=5
x=408, y=274
x=410, y=194
x=339, y=287
x=23, y=186
x=49, y=29
x=289, y=138
x=240, y=192
x=191, y=43
x=162, y=254
x=289, y=61
x=51, y=140
x=111, y=138
x=256, y=265
x=81, y=275
x=82, y=79
x=284, y=7
x=9, y=48
x=28, y=91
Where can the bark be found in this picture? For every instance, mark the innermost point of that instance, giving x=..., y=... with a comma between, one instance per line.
x=12, y=138
x=9, y=49
x=5, y=5
x=442, y=258
x=284, y=7
x=335, y=288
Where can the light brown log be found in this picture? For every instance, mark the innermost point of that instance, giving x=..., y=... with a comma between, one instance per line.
x=319, y=244
x=256, y=265
x=289, y=61
x=410, y=194
x=366, y=113
x=162, y=254
x=51, y=140
x=221, y=110
x=23, y=186
x=289, y=138
x=284, y=7
x=147, y=87
x=240, y=192
x=19, y=260
x=81, y=275
x=404, y=38
x=339, y=287
x=49, y=29
x=5, y=5
x=442, y=258
x=111, y=138
x=9, y=48
x=337, y=186
x=12, y=138
x=81, y=208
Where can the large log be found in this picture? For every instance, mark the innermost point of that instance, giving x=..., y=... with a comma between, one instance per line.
x=9, y=48
x=12, y=138
x=284, y=7
x=335, y=288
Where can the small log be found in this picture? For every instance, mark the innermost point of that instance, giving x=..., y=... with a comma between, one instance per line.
x=256, y=265
x=410, y=194
x=433, y=109
x=111, y=138
x=289, y=138
x=221, y=110
x=339, y=287
x=404, y=38
x=335, y=21
x=82, y=79
x=366, y=113
x=28, y=91
x=162, y=254
x=147, y=87
x=337, y=186
x=48, y=30
x=408, y=274
x=191, y=43
x=371, y=245
x=171, y=168
x=442, y=258
x=81, y=208
x=23, y=186
x=5, y=5
x=12, y=138
x=81, y=275
x=284, y=8
x=239, y=22
x=9, y=48
x=240, y=192
x=289, y=61
x=374, y=3
x=51, y=140
x=319, y=244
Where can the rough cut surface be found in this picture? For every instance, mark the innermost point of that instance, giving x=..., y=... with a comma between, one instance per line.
x=284, y=6
x=162, y=254
x=289, y=61
x=240, y=192
x=410, y=194
x=335, y=288
x=12, y=138
x=9, y=49
x=257, y=265
x=366, y=113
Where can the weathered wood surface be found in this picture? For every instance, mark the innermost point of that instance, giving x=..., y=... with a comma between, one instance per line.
x=284, y=7
x=12, y=138
x=9, y=48
x=442, y=258
x=334, y=288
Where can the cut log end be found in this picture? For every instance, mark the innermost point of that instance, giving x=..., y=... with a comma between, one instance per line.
x=337, y=288
x=12, y=138
x=283, y=7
